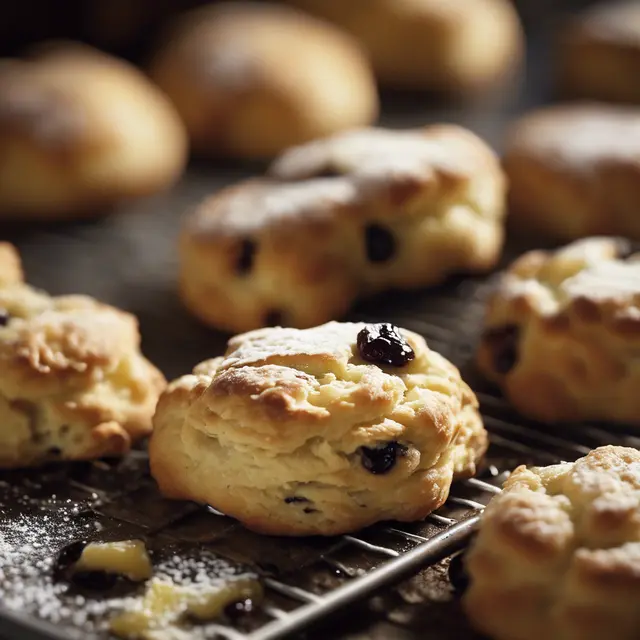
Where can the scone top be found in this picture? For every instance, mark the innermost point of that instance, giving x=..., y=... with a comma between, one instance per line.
x=558, y=552
x=294, y=432
x=560, y=330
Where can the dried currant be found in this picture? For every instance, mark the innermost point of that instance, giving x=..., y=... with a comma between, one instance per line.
x=380, y=243
x=384, y=344
x=502, y=342
x=380, y=460
x=246, y=257
x=293, y=499
x=4, y=317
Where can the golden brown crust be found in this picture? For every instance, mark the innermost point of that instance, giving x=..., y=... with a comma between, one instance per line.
x=561, y=329
x=250, y=80
x=272, y=432
x=402, y=209
x=73, y=384
x=81, y=131
x=574, y=171
x=558, y=552
x=451, y=45
x=600, y=53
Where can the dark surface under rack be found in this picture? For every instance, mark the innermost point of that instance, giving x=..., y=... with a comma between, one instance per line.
x=129, y=260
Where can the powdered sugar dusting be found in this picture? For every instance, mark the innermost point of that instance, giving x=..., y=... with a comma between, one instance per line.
x=581, y=137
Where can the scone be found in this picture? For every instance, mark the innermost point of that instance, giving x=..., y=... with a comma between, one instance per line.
x=73, y=383
x=557, y=555
x=600, y=53
x=250, y=80
x=450, y=45
x=351, y=214
x=318, y=431
x=562, y=330
x=81, y=131
x=574, y=171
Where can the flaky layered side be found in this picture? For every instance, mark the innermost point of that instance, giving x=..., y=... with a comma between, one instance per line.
x=292, y=433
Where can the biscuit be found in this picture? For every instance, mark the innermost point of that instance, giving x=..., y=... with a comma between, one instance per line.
x=561, y=333
x=80, y=132
x=557, y=554
x=600, y=53
x=355, y=213
x=574, y=171
x=250, y=80
x=73, y=384
x=443, y=45
x=307, y=432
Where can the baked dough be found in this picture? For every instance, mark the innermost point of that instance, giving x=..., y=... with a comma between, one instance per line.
x=81, y=131
x=451, y=45
x=600, y=53
x=562, y=330
x=558, y=552
x=250, y=80
x=73, y=384
x=574, y=171
x=398, y=209
x=292, y=432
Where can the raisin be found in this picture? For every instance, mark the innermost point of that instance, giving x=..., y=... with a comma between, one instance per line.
x=94, y=580
x=503, y=344
x=292, y=499
x=309, y=510
x=380, y=460
x=273, y=318
x=246, y=257
x=54, y=451
x=237, y=609
x=384, y=344
x=4, y=317
x=458, y=575
x=380, y=243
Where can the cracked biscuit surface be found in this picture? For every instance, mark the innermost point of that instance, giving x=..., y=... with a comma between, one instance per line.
x=293, y=433
x=557, y=554
x=600, y=53
x=73, y=383
x=356, y=213
x=574, y=171
x=562, y=332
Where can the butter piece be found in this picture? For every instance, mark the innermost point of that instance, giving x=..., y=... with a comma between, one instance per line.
x=128, y=558
x=158, y=613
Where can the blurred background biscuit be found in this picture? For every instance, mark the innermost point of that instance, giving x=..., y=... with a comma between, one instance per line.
x=250, y=80
x=81, y=131
x=600, y=53
x=451, y=45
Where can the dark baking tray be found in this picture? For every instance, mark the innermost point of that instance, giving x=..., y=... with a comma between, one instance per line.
x=129, y=260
